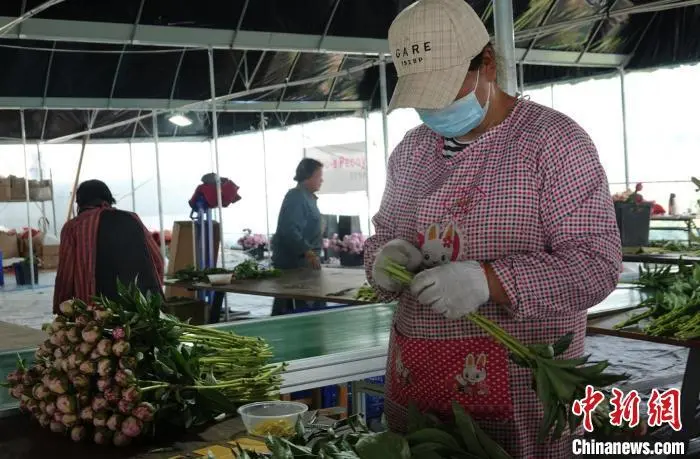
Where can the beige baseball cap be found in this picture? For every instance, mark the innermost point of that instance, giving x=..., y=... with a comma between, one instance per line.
x=432, y=43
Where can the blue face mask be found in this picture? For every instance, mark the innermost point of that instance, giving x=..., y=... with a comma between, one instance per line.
x=458, y=118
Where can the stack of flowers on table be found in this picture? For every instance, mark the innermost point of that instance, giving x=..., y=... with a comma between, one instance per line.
x=111, y=371
x=350, y=248
x=254, y=244
x=635, y=197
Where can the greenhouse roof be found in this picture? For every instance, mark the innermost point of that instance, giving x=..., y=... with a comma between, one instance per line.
x=82, y=63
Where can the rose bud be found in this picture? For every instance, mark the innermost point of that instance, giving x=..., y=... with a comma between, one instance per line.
x=59, y=323
x=121, y=348
x=87, y=368
x=55, y=340
x=67, y=308
x=103, y=384
x=144, y=411
x=124, y=378
x=35, y=391
x=121, y=439
x=104, y=347
x=45, y=420
x=16, y=392
x=65, y=404
x=128, y=362
x=81, y=382
x=69, y=420
x=48, y=328
x=125, y=406
x=64, y=365
x=132, y=394
x=118, y=333
x=74, y=335
x=61, y=337
x=85, y=349
x=58, y=416
x=58, y=353
x=95, y=356
x=15, y=377
x=114, y=422
x=99, y=403
x=42, y=406
x=78, y=433
x=131, y=427
x=57, y=427
x=40, y=368
x=28, y=379
x=100, y=419
x=33, y=407
x=86, y=413
x=82, y=320
x=104, y=367
x=59, y=386
x=112, y=394
x=91, y=333
x=102, y=436
x=84, y=399
x=51, y=409
x=102, y=315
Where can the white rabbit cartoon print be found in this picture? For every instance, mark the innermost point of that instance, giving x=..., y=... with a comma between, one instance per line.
x=472, y=380
x=439, y=247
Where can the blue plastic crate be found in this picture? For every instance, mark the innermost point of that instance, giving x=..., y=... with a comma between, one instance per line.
x=374, y=404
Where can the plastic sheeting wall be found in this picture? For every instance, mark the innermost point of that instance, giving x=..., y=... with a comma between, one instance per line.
x=662, y=142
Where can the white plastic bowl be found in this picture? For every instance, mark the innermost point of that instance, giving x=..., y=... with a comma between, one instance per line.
x=254, y=414
x=219, y=279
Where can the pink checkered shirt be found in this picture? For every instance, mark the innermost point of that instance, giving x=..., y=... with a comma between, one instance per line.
x=531, y=197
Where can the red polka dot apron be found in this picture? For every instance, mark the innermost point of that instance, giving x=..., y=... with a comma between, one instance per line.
x=434, y=373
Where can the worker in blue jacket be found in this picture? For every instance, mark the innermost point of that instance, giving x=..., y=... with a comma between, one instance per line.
x=297, y=243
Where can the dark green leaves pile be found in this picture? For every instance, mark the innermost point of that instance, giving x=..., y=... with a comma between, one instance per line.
x=427, y=438
x=673, y=302
x=249, y=269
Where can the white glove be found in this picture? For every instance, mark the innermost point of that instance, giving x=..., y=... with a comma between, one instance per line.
x=454, y=289
x=400, y=252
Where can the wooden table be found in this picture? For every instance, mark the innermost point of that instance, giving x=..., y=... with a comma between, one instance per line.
x=335, y=285
x=690, y=389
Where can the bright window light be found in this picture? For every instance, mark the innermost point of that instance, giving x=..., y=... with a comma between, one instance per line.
x=180, y=120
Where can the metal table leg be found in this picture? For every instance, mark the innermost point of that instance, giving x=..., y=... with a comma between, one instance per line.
x=215, y=311
x=690, y=390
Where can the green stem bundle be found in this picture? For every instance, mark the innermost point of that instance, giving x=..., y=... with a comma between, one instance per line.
x=558, y=382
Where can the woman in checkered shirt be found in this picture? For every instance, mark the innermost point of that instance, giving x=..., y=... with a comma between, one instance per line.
x=504, y=207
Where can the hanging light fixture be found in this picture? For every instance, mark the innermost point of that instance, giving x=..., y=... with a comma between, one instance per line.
x=178, y=119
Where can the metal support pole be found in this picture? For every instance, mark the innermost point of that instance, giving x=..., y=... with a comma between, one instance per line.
x=385, y=106
x=41, y=179
x=215, y=138
x=158, y=185
x=505, y=44
x=624, y=128
x=53, y=205
x=267, y=209
x=365, y=116
x=131, y=173
x=26, y=191
x=521, y=78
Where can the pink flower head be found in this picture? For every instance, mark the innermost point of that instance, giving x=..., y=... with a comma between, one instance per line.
x=118, y=333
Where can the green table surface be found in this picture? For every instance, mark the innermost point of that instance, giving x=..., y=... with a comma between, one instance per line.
x=301, y=336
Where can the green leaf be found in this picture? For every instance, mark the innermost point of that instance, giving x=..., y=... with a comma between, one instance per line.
x=432, y=435
x=416, y=419
x=218, y=401
x=467, y=430
x=299, y=427
x=386, y=445
x=563, y=343
x=278, y=448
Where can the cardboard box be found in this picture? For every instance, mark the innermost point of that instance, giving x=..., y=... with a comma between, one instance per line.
x=49, y=256
x=37, y=246
x=18, y=190
x=5, y=189
x=9, y=245
x=181, y=255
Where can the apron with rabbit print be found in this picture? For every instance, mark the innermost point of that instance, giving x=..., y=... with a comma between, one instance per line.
x=432, y=373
